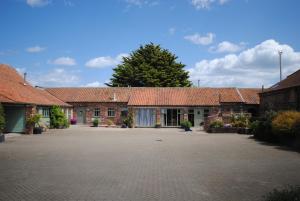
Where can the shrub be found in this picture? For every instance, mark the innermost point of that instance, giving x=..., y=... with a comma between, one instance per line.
x=240, y=121
x=186, y=124
x=286, y=123
x=129, y=120
x=34, y=120
x=290, y=193
x=58, y=118
x=2, y=118
x=96, y=122
x=262, y=128
x=216, y=124
x=110, y=122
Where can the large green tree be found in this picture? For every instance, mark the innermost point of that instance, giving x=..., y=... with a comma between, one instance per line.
x=150, y=66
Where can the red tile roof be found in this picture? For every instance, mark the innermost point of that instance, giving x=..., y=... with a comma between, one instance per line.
x=13, y=90
x=91, y=94
x=292, y=80
x=158, y=96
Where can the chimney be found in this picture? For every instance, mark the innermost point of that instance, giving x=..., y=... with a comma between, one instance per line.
x=114, y=97
x=24, y=81
x=262, y=88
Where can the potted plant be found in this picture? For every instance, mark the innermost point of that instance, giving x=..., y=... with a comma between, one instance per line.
x=158, y=125
x=2, y=123
x=95, y=122
x=186, y=125
x=73, y=121
x=33, y=124
x=128, y=121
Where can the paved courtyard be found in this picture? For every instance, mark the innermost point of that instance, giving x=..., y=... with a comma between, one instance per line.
x=113, y=164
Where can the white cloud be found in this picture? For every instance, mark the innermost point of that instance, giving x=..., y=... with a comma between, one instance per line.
x=105, y=61
x=94, y=84
x=223, y=1
x=172, y=30
x=200, y=39
x=37, y=3
x=56, y=77
x=228, y=47
x=141, y=3
x=35, y=49
x=206, y=4
x=251, y=68
x=200, y=4
x=64, y=61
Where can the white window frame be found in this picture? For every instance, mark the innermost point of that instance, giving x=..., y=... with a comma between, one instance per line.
x=111, y=112
x=45, y=112
x=97, y=110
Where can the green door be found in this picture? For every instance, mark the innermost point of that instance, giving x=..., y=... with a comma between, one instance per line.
x=15, y=119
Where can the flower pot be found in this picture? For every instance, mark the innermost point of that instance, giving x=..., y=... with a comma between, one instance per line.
x=187, y=129
x=2, y=137
x=37, y=130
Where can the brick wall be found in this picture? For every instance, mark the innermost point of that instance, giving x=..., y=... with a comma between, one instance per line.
x=286, y=99
x=90, y=108
x=30, y=110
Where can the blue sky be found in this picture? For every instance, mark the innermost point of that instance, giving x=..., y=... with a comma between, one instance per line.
x=222, y=42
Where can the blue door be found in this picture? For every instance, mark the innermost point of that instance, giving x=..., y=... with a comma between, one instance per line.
x=15, y=119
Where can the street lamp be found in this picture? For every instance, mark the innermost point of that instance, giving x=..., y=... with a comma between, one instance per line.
x=280, y=53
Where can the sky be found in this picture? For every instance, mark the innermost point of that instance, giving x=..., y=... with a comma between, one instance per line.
x=223, y=43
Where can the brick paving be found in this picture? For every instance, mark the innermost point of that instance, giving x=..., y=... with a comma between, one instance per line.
x=113, y=164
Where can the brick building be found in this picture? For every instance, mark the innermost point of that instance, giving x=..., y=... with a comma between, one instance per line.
x=284, y=95
x=21, y=100
x=166, y=106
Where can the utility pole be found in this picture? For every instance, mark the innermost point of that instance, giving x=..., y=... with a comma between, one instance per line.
x=198, y=83
x=280, y=53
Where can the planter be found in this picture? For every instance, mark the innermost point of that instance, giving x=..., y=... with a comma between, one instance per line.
x=243, y=131
x=38, y=130
x=223, y=130
x=2, y=137
x=187, y=129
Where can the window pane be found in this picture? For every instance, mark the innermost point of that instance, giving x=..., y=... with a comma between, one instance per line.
x=111, y=112
x=97, y=112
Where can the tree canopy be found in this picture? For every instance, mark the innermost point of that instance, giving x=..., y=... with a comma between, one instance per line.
x=150, y=66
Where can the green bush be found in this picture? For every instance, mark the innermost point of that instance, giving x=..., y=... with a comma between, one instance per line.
x=290, y=193
x=186, y=124
x=240, y=121
x=216, y=124
x=286, y=123
x=34, y=120
x=129, y=120
x=96, y=122
x=262, y=128
x=2, y=118
x=58, y=118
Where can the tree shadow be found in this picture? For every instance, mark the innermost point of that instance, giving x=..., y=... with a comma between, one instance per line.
x=276, y=145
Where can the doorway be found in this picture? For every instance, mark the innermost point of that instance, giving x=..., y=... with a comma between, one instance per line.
x=81, y=115
x=172, y=117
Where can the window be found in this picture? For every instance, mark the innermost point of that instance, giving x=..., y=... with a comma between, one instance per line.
x=97, y=112
x=206, y=112
x=111, y=112
x=45, y=112
x=124, y=112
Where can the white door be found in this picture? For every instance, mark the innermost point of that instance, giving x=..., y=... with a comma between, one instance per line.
x=199, y=117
